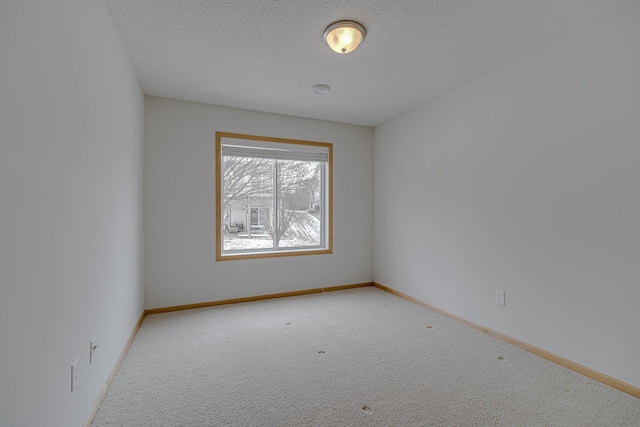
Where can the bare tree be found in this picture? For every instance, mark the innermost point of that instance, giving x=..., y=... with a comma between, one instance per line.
x=245, y=177
x=298, y=187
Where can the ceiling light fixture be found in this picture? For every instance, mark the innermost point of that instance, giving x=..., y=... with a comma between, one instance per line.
x=344, y=36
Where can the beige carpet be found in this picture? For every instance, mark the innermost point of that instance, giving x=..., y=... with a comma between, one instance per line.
x=361, y=357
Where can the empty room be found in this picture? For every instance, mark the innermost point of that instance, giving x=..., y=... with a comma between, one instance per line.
x=331, y=213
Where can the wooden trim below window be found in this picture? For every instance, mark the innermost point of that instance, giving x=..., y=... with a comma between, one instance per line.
x=256, y=298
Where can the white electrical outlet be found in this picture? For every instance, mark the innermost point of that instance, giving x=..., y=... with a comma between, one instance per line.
x=75, y=375
x=92, y=349
x=500, y=298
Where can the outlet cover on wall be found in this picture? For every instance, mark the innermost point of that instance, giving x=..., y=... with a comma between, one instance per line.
x=500, y=298
x=92, y=349
x=74, y=374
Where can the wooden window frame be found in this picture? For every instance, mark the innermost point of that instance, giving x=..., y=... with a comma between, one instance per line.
x=272, y=253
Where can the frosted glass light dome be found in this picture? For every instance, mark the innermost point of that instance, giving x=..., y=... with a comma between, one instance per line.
x=344, y=36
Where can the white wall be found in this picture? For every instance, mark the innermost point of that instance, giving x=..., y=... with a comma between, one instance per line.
x=180, y=212
x=526, y=180
x=71, y=135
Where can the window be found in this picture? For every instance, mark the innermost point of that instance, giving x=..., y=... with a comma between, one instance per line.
x=273, y=197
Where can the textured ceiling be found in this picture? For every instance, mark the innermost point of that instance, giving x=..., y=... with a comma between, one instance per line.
x=265, y=55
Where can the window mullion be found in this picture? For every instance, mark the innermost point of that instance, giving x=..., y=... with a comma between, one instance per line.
x=275, y=224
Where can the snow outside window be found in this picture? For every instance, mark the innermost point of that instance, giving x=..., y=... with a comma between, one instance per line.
x=273, y=197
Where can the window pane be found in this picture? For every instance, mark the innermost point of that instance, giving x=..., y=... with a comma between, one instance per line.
x=247, y=202
x=273, y=197
x=299, y=203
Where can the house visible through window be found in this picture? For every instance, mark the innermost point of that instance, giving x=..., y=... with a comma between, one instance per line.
x=273, y=196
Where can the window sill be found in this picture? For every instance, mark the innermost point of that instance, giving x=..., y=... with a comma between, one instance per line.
x=273, y=254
